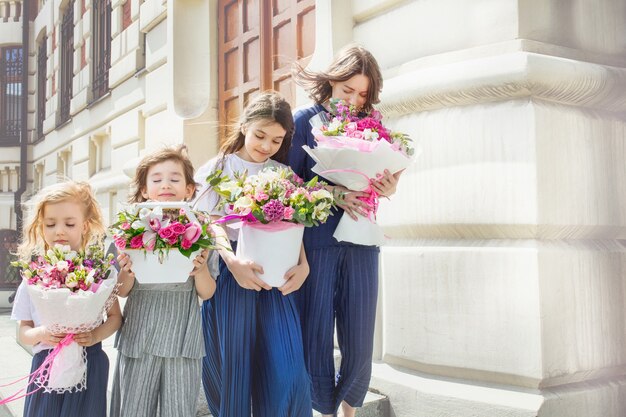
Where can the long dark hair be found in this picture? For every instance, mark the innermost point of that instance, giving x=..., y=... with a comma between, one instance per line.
x=268, y=106
x=350, y=61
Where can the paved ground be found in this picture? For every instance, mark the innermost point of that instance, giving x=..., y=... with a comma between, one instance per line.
x=15, y=363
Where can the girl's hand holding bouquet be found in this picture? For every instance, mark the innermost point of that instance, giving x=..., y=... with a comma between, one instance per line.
x=272, y=208
x=71, y=292
x=164, y=230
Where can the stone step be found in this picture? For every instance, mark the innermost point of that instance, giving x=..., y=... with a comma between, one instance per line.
x=375, y=405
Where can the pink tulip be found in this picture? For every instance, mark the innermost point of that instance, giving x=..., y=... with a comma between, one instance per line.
x=193, y=232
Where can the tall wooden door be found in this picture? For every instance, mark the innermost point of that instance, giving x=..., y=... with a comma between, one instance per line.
x=259, y=40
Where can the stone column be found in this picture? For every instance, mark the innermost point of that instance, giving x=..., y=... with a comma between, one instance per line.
x=502, y=292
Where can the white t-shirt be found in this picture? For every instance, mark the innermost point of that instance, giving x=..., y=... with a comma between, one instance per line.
x=207, y=200
x=24, y=310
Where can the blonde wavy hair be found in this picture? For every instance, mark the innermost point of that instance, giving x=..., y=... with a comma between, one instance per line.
x=33, y=242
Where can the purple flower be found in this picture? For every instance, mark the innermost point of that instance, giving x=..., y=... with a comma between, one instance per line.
x=274, y=211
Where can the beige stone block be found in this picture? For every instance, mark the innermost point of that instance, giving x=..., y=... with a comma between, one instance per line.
x=156, y=46
x=576, y=24
x=152, y=13
x=163, y=129
x=124, y=68
x=80, y=171
x=121, y=155
x=126, y=128
x=157, y=90
x=523, y=313
x=80, y=149
x=86, y=23
x=426, y=27
x=580, y=172
x=468, y=310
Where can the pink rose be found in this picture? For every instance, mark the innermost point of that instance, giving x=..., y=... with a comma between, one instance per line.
x=193, y=232
x=125, y=226
x=172, y=240
x=289, y=213
x=136, y=242
x=120, y=242
x=186, y=243
x=177, y=228
x=166, y=233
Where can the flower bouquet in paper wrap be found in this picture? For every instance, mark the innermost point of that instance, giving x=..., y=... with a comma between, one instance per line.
x=352, y=148
x=272, y=207
x=162, y=239
x=71, y=291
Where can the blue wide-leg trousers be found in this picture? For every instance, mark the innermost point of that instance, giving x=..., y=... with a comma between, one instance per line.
x=255, y=358
x=341, y=290
x=89, y=402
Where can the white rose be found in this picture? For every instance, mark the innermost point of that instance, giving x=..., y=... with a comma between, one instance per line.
x=71, y=281
x=321, y=194
x=243, y=204
x=62, y=265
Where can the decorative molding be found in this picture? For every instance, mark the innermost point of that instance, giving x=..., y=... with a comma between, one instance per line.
x=505, y=77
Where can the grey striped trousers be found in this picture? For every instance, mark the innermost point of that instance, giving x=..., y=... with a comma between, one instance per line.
x=152, y=386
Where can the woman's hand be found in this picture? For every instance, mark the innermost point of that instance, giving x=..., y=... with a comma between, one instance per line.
x=86, y=339
x=245, y=274
x=349, y=201
x=295, y=278
x=385, y=184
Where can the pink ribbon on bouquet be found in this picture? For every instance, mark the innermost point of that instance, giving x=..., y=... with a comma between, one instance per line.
x=41, y=374
x=248, y=218
x=372, y=196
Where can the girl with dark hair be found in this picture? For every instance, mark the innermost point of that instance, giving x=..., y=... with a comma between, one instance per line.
x=254, y=358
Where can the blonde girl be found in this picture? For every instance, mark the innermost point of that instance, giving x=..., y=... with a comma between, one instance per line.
x=67, y=214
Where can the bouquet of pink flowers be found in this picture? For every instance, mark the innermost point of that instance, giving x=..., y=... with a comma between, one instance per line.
x=166, y=232
x=160, y=228
x=71, y=291
x=273, y=208
x=276, y=194
x=345, y=121
x=352, y=148
x=62, y=267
